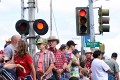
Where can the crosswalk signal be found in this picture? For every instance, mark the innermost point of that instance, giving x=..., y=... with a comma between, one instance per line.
x=82, y=21
x=40, y=26
x=103, y=20
x=22, y=27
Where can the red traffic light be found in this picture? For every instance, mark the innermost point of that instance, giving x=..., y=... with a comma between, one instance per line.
x=82, y=12
x=40, y=26
x=82, y=21
x=22, y=27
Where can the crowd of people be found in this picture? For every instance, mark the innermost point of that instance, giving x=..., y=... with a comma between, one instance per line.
x=50, y=63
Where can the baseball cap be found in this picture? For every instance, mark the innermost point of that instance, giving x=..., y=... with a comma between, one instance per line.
x=70, y=42
x=41, y=41
x=75, y=51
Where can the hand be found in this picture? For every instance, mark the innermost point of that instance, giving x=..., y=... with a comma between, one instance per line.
x=20, y=66
x=43, y=77
x=1, y=57
x=59, y=71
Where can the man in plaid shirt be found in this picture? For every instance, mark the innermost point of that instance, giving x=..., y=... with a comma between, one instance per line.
x=61, y=61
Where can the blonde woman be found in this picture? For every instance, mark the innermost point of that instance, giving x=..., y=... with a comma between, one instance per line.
x=23, y=61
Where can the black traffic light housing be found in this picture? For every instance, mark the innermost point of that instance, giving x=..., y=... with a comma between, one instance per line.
x=22, y=27
x=82, y=21
x=40, y=26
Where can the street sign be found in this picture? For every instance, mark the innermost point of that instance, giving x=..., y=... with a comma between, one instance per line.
x=92, y=44
x=86, y=39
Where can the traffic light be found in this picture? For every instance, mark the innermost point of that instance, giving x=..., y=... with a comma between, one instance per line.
x=40, y=26
x=82, y=21
x=103, y=20
x=102, y=48
x=22, y=27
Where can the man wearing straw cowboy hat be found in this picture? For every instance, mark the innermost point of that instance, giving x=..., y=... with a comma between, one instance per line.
x=61, y=61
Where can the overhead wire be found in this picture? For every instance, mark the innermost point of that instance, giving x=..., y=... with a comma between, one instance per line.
x=55, y=23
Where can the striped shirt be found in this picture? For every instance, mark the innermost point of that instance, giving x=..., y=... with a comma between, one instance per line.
x=48, y=58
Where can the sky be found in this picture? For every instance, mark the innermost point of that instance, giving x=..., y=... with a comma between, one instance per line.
x=64, y=20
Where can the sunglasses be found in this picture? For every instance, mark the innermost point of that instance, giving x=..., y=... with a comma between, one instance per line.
x=4, y=61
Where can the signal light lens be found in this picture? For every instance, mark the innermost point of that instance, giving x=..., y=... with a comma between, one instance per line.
x=83, y=20
x=83, y=28
x=23, y=26
x=40, y=26
x=82, y=12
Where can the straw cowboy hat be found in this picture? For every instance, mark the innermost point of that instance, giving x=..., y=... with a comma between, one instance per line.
x=88, y=51
x=53, y=38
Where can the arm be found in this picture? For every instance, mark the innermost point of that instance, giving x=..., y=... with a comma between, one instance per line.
x=65, y=66
x=77, y=62
x=33, y=71
x=51, y=62
x=105, y=67
x=50, y=68
x=117, y=76
x=11, y=66
x=68, y=66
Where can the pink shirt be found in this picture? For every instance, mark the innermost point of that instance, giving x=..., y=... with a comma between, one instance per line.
x=40, y=67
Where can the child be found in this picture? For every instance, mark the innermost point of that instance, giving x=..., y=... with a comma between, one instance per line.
x=84, y=74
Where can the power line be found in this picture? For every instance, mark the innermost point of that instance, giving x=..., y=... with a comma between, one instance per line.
x=55, y=24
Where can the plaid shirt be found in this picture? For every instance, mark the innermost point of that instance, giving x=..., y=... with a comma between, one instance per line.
x=60, y=58
x=48, y=58
x=88, y=63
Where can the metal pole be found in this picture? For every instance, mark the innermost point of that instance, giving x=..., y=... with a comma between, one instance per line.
x=50, y=17
x=82, y=45
x=22, y=17
x=91, y=14
x=22, y=9
x=31, y=12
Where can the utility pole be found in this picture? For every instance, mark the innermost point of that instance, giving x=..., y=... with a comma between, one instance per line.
x=31, y=14
x=82, y=45
x=22, y=9
x=22, y=17
x=91, y=18
x=50, y=17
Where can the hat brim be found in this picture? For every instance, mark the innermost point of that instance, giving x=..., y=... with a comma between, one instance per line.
x=54, y=40
x=75, y=44
x=88, y=53
x=38, y=43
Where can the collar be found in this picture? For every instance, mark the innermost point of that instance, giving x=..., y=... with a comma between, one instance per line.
x=52, y=49
x=44, y=52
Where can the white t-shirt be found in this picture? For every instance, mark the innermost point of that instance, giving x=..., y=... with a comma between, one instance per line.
x=99, y=68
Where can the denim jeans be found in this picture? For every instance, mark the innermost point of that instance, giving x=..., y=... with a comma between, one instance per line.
x=111, y=76
x=64, y=78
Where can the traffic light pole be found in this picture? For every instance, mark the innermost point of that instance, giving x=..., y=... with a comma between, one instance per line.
x=31, y=12
x=91, y=18
x=22, y=9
